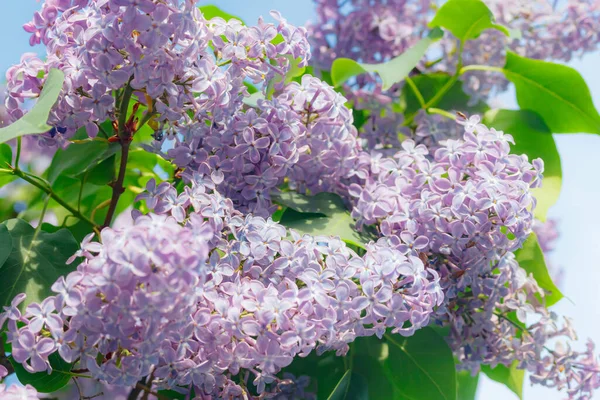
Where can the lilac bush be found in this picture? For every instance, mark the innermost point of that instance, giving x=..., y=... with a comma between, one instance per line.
x=282, y=234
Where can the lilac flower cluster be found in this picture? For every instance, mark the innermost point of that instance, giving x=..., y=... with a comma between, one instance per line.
x=465, y=209
x=191, y=308
x=376, y=31
x=549, y=30
x=501, y=320
x=16, y=392
x=330, y=142
x=139, y=288
x=365, y=30
x=470, y=202
x=184, y=68
x=304, y=134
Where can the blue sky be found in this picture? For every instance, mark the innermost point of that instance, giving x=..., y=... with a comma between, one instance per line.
x=578, y=250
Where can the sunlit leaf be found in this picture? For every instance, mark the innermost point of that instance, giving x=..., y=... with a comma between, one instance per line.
x=466, y=19
x=323, y=214
x=512, y=377
x=35, y=121
x=531, y=259
x=556, y=92
x=390, y=72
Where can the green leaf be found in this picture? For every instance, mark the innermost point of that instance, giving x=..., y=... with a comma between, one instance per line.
x=466, y=385
x=5, y=155
x=556, y=92
x=103, y=173
x=5, y=161
x=325, y=371
x=390, y=72
x=252, y=100
x=36, y=261
x=352, y=386
x=429, y=85
x=212, y=11
x=35, y=121
x=534, y=138
x=78, y=228
x=341, y=389
x=368, y=357
x=511, y=377
x=323, y=214
x=171, y=394
x=421, y=366
x=79, y=158
x=466, y=19
x=531, y=259
x=42, y=381
x=5, y=244
x=360, y=372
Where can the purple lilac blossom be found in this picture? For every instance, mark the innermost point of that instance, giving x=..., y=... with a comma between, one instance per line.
x=376, y=31
x=250, y=297
x=191, y=69
x=18, y=392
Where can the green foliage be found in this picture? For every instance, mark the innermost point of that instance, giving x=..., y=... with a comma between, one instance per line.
x=466, y=385
x=103, y=173
x=42, y=381
x=171, y=394
x=5, y=244
x=323, y=214
x=79, y=229
x=79, y=158
x=512, y=377
x=325, y=371
x=212, y=11
x=429, y=85
x=556, y=92
x=35, y=261
x=394, y=368
x=352, y=386
x=534, y=138
x=5, y=160
x=421, y=366
x=466, y=19
x=368, y=357
x=390, y=72
x=34, y=122
x=531, y=259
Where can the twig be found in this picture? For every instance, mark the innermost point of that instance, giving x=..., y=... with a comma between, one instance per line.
x=117, y=186
x=48, y=190
x=125, y=140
